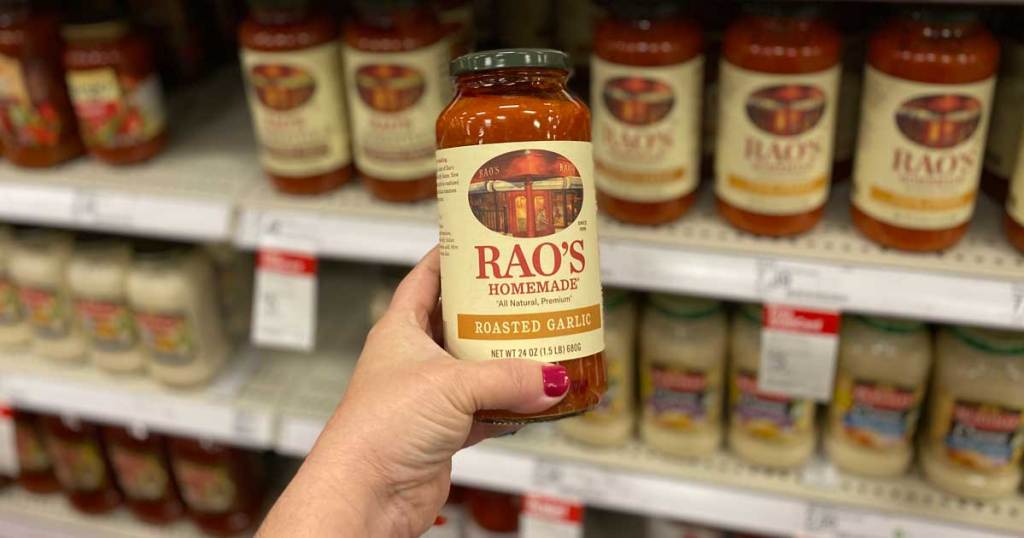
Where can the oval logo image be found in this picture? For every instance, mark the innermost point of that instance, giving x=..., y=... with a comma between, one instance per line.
x=282, y=87
x=638, y=100
x=526, y=193
x=939, y=121
x=389, y=88
x=786, y=110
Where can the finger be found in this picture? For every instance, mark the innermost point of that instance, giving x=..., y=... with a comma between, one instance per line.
x=416, y=296
x=519, y=386
x=481, y=431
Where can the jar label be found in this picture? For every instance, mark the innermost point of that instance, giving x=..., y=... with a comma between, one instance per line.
x=32, y=456
x=298, y=109
x=206, y=488
x=646, y=129
x=875, y=415
x=168, y=337
x=48, y=312
x=678, y=398
x=140, y=473
x=519, y=254
x=78, y=464
x=395, y=98
x=774, y=150
x=918, y=165
x=10, y=308
x=23, y=121
x=1004, y=136
x=116, y=110
x=108, y=324
x=979, y=435
x=767, y=415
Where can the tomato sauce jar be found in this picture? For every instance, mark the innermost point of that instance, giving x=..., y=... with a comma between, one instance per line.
x=81, y=464
x=647, y=72
x=927, y=99
x=396, y=56
x=143, y=472
x=779, y=86
x=35, y=468
x=223, y=487
x=518, y=222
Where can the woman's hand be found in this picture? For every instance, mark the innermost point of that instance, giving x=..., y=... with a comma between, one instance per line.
x=382, y=465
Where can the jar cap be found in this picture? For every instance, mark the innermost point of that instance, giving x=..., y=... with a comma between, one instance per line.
x=488, y=60
x=679, y=306
x=993, y=341
x=892, y=325
x=949, y=14
x=155, y=249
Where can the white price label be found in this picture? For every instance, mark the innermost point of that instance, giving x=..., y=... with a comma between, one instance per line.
x=544, y=516
x=284, y=308
x=831, y=521
x=110, y=209
x=563, y=479
x=801, y=283
x=8, y=442
x=798, y=351
x=1017, y=303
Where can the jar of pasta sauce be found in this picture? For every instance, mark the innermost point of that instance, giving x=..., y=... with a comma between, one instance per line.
x=143, y=470
x=81, y=465
x=35, y=468
x=777, y=102
x=927, y=97
x=647, y=72
x=515, y=190
x=395, y=56
x=223, y=487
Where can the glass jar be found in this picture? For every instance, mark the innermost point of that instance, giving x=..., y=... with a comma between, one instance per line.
x=395, y=59
x=143, y=471
x=81, y=465
x=778, y=95
x=611, y=422
x=15, y=331
x=1002, y=147
x=683, y=344
x=880, y=382
x=493, y=514
x=515, y=166
x=223, y=487
x=927, y=96
x=647, y=72
x=35, y=468
x=772, y=430
x=975, y=435
x=290, y=59
x=114, y=86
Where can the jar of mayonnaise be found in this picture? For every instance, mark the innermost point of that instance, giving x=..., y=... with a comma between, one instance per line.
x=172, y=293
x=98, y=276
x=611, y=423
x=773, y=430
x=38, y=267
x=682, y=367
x=14, y=328
x=975, y=434
x=880, y=381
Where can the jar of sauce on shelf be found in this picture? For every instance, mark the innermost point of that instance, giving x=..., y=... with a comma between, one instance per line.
x=223, y=487
x=493, y=514
x=35, y=468
x=292, y=66
x=114, y=86
x=778, y=95
x=647, y=72
x=15, y=332
x=927, y=99
x=517, y=204
x=143, y=471
x=37, y=123
x=81, y=464
x=395, y=58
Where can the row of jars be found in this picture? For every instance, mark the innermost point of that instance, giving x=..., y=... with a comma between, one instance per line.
x=696, y=365
x=159, y=478
x=149, y=307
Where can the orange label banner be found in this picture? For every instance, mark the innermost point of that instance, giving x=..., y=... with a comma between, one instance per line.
x=528, y=326
x=904, y=201
x=779, y=188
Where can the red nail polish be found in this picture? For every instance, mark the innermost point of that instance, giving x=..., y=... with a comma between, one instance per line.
x=556, y=380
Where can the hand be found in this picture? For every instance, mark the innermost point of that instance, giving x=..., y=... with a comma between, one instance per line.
x=382, y=465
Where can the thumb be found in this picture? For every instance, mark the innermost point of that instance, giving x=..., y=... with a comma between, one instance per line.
x=520, y=386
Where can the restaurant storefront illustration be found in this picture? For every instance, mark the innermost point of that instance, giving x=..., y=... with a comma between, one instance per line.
x=526, y=193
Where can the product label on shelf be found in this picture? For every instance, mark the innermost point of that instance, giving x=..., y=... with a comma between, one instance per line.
x=873, y=414
x=646, y=129
x=168, y=336
x=920, y=166
x=8, y=442
x=78, y=464
x=298, y=109
x=32, y=455
x=206, y=488
x=48, y=312
x=983, y=436
x=765, y=414
x=116, y=109
x=285, y=299
x=774, y=149
x=1004, y=136
x=520, y=217
x=10, y=308
x=550, y=517
x=395, y=99
x=140, y=473
x=109, y=325
x=25, y=122
x=677, y=398
x=799, y=347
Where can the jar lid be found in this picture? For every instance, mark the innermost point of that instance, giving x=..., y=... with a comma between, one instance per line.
x=614, y=298
x=152, y=249
x=892, y=325
x=489, y=60
x=993, y=341
x=680, y=306
x=39, y=237
x=949, y=14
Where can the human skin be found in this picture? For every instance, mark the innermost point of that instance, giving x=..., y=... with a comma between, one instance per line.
x=382, y=465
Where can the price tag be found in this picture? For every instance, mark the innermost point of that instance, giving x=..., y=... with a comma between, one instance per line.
x=831, y=521
x=284, y=309
x=563, y=479
x=1017, y=303
x=550, y=517
x=90, y=207
x=801, y=283
x=8, y=442
x=798, y=351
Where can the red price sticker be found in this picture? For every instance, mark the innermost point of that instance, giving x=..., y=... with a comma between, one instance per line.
x=284, y=309
x=545, y=516
x=798, y=351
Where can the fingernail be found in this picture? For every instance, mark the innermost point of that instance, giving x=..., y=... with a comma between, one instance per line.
x=556, y=380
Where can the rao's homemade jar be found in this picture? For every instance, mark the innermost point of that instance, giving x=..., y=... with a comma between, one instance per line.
x=518, y=218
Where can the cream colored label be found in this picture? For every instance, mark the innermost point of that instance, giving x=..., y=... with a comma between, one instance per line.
x=919, y=156
x=646, y=129
x=774, y=149
x=520, y=276
x=395, y=98
x=298, y=109
x=1005, y=133
x=1015, y=201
